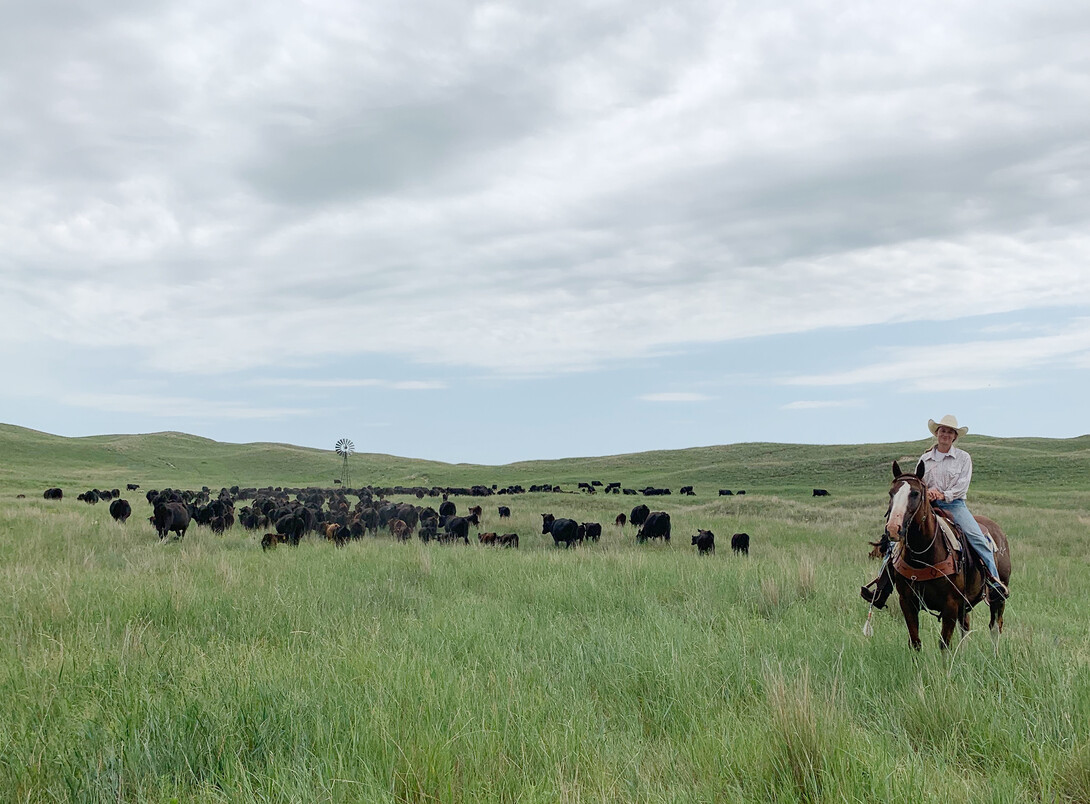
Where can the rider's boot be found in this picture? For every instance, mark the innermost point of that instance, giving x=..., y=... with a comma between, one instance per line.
x=997, y=586
x=883, y=588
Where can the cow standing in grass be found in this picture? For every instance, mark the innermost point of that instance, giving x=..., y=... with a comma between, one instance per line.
x=120, y=510
x=562, y=530
x=656, y=526
x=171, y=518
x=704, y=541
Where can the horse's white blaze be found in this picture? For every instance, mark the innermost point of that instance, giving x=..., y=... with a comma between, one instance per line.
x=898, y=507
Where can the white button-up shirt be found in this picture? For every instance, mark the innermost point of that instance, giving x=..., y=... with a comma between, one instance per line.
x=949, y=472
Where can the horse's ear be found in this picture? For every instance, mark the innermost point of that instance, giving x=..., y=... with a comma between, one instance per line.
x=896, y=470
x=919, y=470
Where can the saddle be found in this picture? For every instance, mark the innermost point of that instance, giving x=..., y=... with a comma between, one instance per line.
x=959, y=553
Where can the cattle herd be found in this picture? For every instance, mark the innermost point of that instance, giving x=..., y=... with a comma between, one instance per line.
x=289, y=515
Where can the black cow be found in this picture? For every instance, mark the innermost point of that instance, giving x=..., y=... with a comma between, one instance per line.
x=132, y=486
x=821, y=493
x=687, y=490
x=429, y=529
x=409, y=515
x=593, y=530
x=53, y=494
x=739, y=543
x=704, y=540
x=656, y=526
x=447, y=508
x=292, y=526
x=170, y=518
x=120, y=510
x=740, y=491
x=620, y=520
x=562, y=530
x=509, y=540
x=725, y=492
x=457, y=527
x=639, y=515
x=505, y=512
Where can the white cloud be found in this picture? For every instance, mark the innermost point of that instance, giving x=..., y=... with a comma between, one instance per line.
x=675, y=397
x=819, y=404
x=397, y=385
x=529, y=193
x=974, y=365
x=178, y=407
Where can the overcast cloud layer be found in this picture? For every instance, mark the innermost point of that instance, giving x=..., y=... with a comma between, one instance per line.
x=483, y=232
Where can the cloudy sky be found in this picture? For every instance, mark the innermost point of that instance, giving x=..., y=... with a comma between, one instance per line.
x=479, y=232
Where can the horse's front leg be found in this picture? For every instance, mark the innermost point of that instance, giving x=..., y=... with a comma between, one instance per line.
x=964, y=620
x=910, y=608
x=951, y=614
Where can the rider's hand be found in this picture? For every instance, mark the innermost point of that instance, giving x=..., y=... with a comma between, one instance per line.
x=935, y=494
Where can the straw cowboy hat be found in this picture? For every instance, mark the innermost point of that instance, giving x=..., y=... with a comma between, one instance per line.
x=946, y=421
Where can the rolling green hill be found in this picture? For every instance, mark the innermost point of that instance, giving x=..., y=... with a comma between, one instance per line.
x=209, y=670
x=31, y=461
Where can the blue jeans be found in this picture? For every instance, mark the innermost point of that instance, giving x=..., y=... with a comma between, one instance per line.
x=971, y=528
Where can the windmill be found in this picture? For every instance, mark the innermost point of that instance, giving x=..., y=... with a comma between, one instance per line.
x=344, y=448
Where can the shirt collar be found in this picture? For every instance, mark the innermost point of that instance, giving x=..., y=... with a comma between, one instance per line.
x=933, y=454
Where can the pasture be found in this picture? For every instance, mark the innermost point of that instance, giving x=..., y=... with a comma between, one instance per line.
x=206, y=670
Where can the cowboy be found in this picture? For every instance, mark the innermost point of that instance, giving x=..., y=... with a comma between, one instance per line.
x=947, y=472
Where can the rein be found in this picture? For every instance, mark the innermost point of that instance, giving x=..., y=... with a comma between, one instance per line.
x=938, y=570
x=921, y=518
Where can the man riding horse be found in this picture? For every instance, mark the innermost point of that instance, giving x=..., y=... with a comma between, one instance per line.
x=947, y=472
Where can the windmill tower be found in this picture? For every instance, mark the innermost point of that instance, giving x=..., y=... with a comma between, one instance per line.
x=344, y=448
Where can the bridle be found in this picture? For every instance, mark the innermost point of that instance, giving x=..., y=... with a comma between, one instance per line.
x=912, y=513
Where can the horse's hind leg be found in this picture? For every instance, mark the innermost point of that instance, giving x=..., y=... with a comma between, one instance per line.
x=997, y=615
x=995, y=627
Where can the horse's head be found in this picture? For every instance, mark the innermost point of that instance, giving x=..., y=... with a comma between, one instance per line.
x=907, y=498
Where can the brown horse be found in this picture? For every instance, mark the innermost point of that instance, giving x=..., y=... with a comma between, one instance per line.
x=928, y=573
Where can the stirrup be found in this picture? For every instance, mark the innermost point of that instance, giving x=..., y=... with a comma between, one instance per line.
x=878, y=596
x=999, y=588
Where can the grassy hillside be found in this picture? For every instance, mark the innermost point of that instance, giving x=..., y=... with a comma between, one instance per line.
x=206, y=670
x=33, y=461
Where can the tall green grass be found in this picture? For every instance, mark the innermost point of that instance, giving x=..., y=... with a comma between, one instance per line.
x=205, y=670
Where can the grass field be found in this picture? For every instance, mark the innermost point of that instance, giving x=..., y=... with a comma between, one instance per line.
x=206, y=670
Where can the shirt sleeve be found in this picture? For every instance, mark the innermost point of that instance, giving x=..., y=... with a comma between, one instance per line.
x=959, y=486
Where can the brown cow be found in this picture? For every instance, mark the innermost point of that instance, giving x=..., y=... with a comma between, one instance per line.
x=270, y=540
x=487, y=538
x=400, y=529
x=620, y=520
x=476, y=511
x=509, y=540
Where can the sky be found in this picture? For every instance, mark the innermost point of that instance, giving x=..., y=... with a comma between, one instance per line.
x=487, y=232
